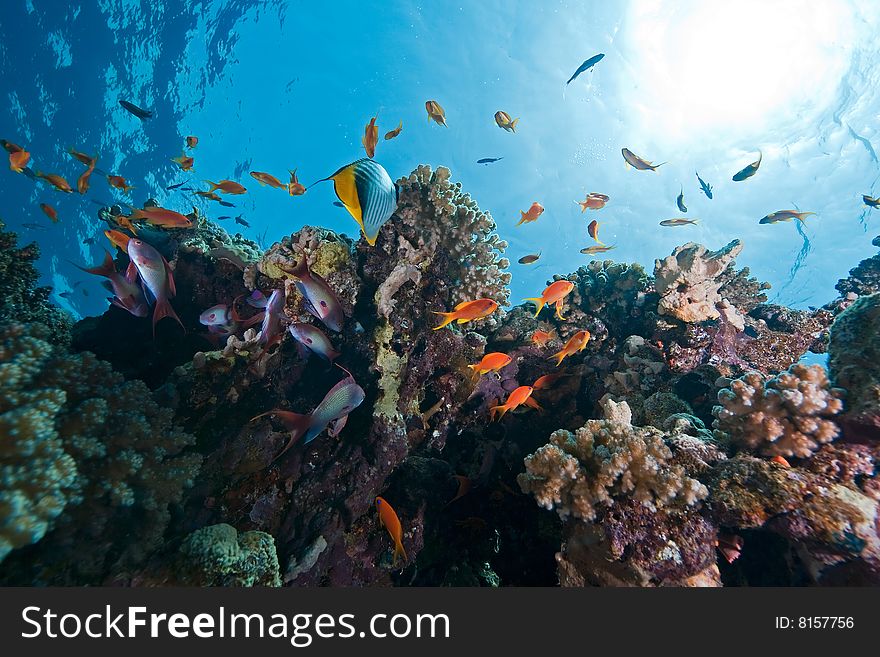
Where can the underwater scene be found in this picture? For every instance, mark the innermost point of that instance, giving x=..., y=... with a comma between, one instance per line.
x=440, y=294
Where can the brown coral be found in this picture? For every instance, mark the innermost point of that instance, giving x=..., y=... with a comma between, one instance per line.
x=787, y=415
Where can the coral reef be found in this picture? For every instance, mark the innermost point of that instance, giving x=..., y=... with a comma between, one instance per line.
x=21, y=300
x=113, y=456
x=576, y=473
x=854, y=364
x=219, y=556
x=689, y=280
x=790, y=414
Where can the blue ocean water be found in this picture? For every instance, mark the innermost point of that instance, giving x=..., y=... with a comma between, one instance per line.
x=276, y=85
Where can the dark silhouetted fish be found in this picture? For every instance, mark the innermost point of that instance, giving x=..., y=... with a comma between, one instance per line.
x=680, y=201
x=226, y=204
x=142, y=114
x=178, y=185
x=586, y=66
x=240, y=220
x=706, y=187
x=224, y=217
x=489, y=160
x=749, y=170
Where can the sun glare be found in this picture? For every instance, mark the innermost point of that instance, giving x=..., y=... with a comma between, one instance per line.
x=756, y=65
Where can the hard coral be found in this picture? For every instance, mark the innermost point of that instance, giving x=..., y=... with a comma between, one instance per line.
x=688, y=281
x=219, y=556
x=20, y=298
x=124, y=465
x=787, y=415
x=580, y=473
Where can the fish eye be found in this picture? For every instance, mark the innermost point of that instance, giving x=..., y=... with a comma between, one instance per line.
x=308, y=341
x=323, y=304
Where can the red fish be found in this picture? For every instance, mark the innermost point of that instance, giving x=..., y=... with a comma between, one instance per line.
x=468, y=311
x=532, y=214
x=157, y=278
x=391, y=522
x=295, y=187
x=491, y=363
x=82, y=183
x=119, y=183
x=577, y=342
x=18, y=160
x=192, y=142
x=517, y=398
x=58, y=182
x=88, y=160
x=540, y=338
x=185, y=162
x=127, y=293
x=553, y=293
x=371, y=137
x=227, y=187
x=50, y=212
x=161, y=217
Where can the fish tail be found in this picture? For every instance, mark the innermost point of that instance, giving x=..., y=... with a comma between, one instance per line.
x=513, y=124
x=448, y=318
x=803, y=215
x=398, y=553
x=214, y=186
x=559, y=356
x=163, y=309
x=499, y=410
x=105, y=269
x=296, y=423
x=539, y=302
x=656, y=166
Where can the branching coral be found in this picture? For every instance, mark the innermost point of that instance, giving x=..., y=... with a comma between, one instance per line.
x=445, y=221
x=610, y=291
x=20, y=298
x=688, y=281
x=787, y=415
x=579, y=473
x=115, y=458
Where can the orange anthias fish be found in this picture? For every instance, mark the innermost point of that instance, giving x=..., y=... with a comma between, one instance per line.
x=211, y=196
x=779, y=460
x=577, y=342
x=491, y=363
x=50, y=212
x=88, y=160
x=18, y=160
x=56, y=181
x=192, y=142
x=227, y=187
x=435, y=112
x=267, y=179
x=468, y=311
x=161, y=217
x=593, y=231
x=391, y=522
x=391, y=134
x=520, y=396
x=119, y=183
x=118, y=239
x=10, y=147
x=532, y=214
x=82, y=183
x=295, y=187
x=546, y=381
x=594, y=201
x=185, y=162
x=553, y=293
x=371, y=137
x=540, y=338
x=464, y=486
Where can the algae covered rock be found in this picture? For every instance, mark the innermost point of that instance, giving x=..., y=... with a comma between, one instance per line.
x=220, y=556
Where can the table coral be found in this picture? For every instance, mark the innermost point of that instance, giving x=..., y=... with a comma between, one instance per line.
x=688, y=281
x=578, y=473
x=787, y=415
x=130, y=464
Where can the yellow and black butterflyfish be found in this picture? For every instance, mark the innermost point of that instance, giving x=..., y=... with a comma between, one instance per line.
x=368, y=193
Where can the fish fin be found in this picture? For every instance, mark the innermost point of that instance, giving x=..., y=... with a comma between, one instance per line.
x=500, y=410
x=163, y=309
x=296, y=423
x=531, y=403
x=106, y=268
x=513, y=124
x=448, y=318
x=172, y=288
x=336, y=426
x=655, y=166
x=398, y=552
x=538, y=302
x=214, y=186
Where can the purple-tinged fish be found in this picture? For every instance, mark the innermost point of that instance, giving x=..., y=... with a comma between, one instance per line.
x=156, y=276
x=313, y=339
x=219, y=320
x=320, y=299
x=271, y=329
x=127, y=294
x=331, y=413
